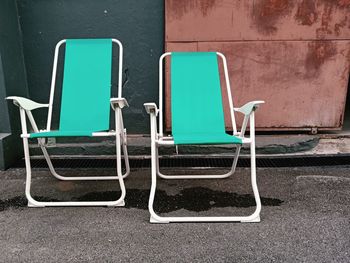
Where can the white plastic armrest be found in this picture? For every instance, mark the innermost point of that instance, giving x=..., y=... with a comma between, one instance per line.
x=249, y=107
x=151, y=108
x=26, y=104
x=118, y=103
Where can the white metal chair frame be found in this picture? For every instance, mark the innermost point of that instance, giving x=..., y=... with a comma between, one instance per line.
x=158, y=139
x=26, y=106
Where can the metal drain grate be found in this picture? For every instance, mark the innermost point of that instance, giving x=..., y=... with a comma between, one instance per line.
x=293, y=161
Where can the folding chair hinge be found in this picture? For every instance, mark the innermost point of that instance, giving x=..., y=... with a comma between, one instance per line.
x=41, y=142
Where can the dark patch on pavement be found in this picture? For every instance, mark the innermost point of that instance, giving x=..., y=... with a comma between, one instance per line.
x=193, y=199
x=21, y=201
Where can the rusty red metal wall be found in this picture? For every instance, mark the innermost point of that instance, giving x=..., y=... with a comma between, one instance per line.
x=294, y=54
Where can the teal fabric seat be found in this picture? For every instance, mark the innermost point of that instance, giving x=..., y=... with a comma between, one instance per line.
x=86, y=91
x=196, y=103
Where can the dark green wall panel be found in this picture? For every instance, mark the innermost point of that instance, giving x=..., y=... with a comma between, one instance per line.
x=12, y=82
x=138, y=24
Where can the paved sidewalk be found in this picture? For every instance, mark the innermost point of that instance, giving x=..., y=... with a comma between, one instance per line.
x=305, y=218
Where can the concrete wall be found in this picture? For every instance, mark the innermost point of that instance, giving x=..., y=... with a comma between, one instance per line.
x=138, y=24
x=12, y=82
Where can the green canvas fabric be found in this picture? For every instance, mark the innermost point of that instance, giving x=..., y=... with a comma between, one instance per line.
x=86, y=90
x=196, y=102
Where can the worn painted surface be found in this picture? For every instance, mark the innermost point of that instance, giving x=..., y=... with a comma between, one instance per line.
x=295, y=55
x=138, y=24
x=226, y=20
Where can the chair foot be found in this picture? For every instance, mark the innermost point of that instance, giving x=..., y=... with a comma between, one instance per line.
x=122, y=203
x=30, y=204
x=254, y=220
x=157, y=221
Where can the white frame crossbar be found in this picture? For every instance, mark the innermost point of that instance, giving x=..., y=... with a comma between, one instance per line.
x=158, y=139
x=26, y=106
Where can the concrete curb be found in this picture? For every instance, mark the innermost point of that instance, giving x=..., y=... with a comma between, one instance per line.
x=140, y=145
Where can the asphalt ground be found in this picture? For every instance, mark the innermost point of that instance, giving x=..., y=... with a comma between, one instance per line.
x=305, y=218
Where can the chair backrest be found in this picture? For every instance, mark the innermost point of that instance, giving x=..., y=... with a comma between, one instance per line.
x=86, y=86
x=196, y=101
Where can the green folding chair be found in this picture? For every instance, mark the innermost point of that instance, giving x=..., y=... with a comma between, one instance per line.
x=197, y=117
x=85, y=110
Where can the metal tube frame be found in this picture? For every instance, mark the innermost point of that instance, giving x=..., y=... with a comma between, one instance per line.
x=119, y=133
x=158, y=139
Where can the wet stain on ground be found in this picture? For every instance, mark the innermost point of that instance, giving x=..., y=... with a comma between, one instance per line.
x=65, y=186
x=21, y=201
x=193, y=199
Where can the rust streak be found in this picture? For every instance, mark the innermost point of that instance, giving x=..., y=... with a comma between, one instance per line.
x=268, y=12
x=318, y=53
x=344, y=3
x=338, y=3
x=324, y=30
x=340, y=25
x=180, y=7
x=306, y=13
x=328, y=26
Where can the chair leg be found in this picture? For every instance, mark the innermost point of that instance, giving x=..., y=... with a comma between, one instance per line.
x=34, y=203
x=207, y=176
x=31, y=201
x=159, y=219
x=126, y=156
x=255, y=217
x=119, y=171
x=154, y=164
x=123, y=143
x=154, y=218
